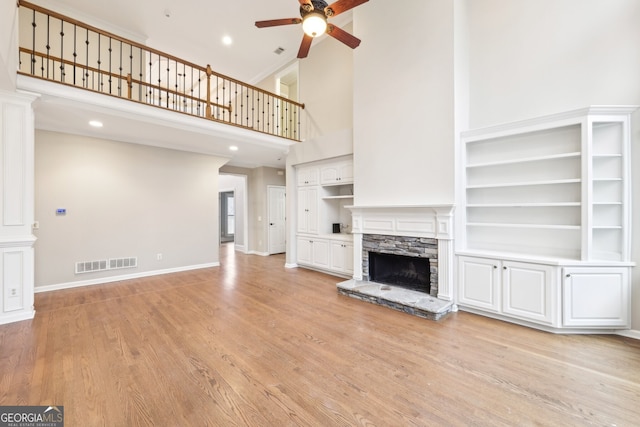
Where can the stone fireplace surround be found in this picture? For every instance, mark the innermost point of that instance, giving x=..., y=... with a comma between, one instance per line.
x=418, y=247
x=432, y=226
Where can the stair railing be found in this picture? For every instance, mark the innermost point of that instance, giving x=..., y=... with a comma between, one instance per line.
x=60, y=49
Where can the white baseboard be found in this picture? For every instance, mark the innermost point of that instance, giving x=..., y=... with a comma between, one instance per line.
x=240, y=248
x=630, y=333
x=292, y=265
x=111, y=279
x=17, y=316
x=258, y=253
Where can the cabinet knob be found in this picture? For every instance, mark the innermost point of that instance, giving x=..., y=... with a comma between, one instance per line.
x=495, y=266
x=504, y=267
x=568, y=275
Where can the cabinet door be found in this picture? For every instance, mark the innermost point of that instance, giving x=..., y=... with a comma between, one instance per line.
x=346, y=173
x=479, y=281
x=337, y=256
x=597, y=297
x=528, y=291
x=329, y=175
x=348, y=258
x=304, y=251
x=308, y=210
x=307, y=175
x=342, y=257
x=337, y=173
x=320, y=253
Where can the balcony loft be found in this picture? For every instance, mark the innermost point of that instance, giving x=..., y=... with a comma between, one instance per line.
x=149, y=97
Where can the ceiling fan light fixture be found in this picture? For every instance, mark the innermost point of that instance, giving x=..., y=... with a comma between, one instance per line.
x=314, y=24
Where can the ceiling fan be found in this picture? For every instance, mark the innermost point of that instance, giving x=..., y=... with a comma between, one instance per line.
x=313, y=16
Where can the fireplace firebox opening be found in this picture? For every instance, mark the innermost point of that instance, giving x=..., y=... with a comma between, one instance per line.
x=407, y=272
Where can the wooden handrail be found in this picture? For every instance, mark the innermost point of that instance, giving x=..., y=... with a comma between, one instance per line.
x=128, y=78
x=147, y=48
x=254, y=108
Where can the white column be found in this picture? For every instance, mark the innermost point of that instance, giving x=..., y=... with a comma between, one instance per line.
x=16, y=207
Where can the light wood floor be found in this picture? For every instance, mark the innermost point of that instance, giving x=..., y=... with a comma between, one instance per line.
x=254, y=344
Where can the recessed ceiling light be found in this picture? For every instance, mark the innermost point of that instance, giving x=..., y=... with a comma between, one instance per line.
x=95, y=124
x=226, y=40
x=233, y=148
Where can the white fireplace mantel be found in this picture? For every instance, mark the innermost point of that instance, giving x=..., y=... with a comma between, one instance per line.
x=435, y=221
x=430, y=221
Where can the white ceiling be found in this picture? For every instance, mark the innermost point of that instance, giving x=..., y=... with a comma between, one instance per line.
x=193, y=31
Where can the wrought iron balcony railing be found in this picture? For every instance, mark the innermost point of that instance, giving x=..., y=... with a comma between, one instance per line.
x=63, y=50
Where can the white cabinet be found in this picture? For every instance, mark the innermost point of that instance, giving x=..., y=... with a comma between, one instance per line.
x=551, y=192
x=324, y=189
x=308, y=175
x=520, y=290
x=307, y=210
x=337, y=173
x=596, y=297
x=479, y=280
x=342, y=257
x=313, y=252
x=528, y=291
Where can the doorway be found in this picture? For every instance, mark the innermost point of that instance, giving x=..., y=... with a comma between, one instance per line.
x=227, y=216
x=277, y=219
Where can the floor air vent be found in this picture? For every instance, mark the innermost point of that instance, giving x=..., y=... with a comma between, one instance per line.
x=101, y=265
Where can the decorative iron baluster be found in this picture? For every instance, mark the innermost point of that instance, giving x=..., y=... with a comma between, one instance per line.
x=86, y=70
x=48, y=46
x=75, y=53
x=62, y=73
x=33, y=48
x=100, y=77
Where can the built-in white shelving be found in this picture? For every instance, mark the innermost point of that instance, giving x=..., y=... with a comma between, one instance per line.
x=553, y=192
x=324, y=190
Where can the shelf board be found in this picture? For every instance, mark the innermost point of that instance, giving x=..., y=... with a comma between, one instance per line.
x=345, y=196
x=525, y=160
x=528, y=226
x=526, y=183
x=607, y=179
x=607, y=203
x=607, y=227
x=523, y=205
x=604, y=155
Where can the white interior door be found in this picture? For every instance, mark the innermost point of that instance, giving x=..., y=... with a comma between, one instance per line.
x=277, y=220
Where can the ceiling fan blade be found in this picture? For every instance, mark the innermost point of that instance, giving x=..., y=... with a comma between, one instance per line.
x=305, y=46
x=276, y=22
x=340, y=34
x=343, y=5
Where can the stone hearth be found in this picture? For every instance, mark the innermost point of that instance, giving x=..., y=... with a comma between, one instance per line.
x=412, y=302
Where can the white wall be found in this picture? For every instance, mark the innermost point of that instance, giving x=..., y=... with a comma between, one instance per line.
x=8, y=43
x=122, y=200
x=530, y=58
x=404, y=103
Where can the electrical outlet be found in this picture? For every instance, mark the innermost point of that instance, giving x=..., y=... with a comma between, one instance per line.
x=36, y=225
x=14, y=292
x=159, y=257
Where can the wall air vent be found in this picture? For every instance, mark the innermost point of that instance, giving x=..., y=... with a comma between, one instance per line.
x=278, y=51
x=91, y=266
x=116, y=263
x=101, y=265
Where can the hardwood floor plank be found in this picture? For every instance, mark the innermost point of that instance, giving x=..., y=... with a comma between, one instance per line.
x=254, y=344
